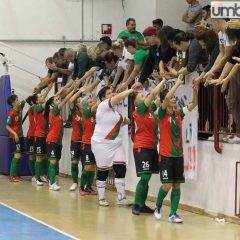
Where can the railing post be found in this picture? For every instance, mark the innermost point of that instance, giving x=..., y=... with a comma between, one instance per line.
x=237, y=211
x=216, y=120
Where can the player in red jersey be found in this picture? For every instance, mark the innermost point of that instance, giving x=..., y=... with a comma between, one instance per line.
x=31, y=100
x=54, y=137
x=40, y=148
x=14, y=126
x=88, y=160
x=76, y=138
x=145, y=144
x=171, y=149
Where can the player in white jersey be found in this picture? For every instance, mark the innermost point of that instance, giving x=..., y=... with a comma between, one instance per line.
x=107, y=145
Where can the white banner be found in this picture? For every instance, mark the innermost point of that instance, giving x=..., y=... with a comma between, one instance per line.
x=190, y=126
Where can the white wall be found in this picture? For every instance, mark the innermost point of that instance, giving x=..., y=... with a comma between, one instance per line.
x=171, y=11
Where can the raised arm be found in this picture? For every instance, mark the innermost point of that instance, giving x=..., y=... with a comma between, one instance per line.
x=65, y=100
x=172, y=91
x=119, y=97
x=154, y=92
x=194, y=102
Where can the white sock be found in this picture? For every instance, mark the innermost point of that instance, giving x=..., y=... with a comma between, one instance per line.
x=120, y=186
x=101, y=185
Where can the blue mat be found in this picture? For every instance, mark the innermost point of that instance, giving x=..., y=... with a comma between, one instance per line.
x=14, y=225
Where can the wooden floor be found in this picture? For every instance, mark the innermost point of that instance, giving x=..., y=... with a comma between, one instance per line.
x=84, y=219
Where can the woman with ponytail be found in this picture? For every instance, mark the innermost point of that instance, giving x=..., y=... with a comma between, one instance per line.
x=186, y=42
x=40, y=134
x=54, y=137
x=145, y=144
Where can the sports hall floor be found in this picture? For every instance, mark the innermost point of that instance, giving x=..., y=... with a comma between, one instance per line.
x=30, y=212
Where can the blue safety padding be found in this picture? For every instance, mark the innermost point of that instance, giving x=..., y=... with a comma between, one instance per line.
x=5, y=91
x=15, y=225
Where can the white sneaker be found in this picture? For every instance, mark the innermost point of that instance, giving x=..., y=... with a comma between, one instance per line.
x=174, y=218
x=73, y=187
x=39, y=182
x=103, y=202
x=122, y=202
x=54, y=187
x=34, y=179
x=211, y=138
x=44, y=179
x=157, y=213
x=235, y=140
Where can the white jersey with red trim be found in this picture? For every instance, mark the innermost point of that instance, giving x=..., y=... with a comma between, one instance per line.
x=108, y=122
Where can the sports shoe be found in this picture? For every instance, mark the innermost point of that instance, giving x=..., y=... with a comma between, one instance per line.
x=39, y=182
x=122, y=202
x=19, y=178
x=34, y=179
x=146, y=209
x=13, y=179
x=90, y=191
x=234, y=140
x=103, y=202
x=83, y=192
x=73, y=187
x=44, y=178
x=157, y=213
x=174, y=218
x=54, y=187
x=135, y=209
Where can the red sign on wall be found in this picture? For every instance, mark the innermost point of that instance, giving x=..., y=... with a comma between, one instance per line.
x=107, y=29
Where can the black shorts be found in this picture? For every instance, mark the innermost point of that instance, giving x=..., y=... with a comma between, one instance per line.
x=87, y=155
x=76, y=150
x=40, y=146
x=146, y=160
x=54, y=151
x=172, y=169
x=30, y=145
x=17, y=147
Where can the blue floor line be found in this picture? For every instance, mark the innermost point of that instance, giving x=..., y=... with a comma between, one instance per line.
x=14, y=225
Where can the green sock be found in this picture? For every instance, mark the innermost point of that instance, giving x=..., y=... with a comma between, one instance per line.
x=161, y=195
x=140, y=195
x=175, y=198
x=18, y=168
x=31, y=165
x=52, y=172
x=74, y=172
x=38, y=169
x=146, y=194
x=90, y=179
x=45, y=166
x=13, y=168
x=84, y=178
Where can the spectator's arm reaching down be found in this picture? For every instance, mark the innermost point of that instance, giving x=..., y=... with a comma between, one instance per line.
x=117, y=76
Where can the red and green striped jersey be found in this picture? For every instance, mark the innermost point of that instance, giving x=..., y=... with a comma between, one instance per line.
x=32, y=121
x=42, y=124
x=88, y=120
x=171, y=133
x=146, y=127
x=77, y=131
x=55, y=133
x=15, y=120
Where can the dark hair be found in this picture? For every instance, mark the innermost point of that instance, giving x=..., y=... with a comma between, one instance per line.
x=210, y=39
x=129, y=20
x=233, y=34
x=110, y=57
x=106, y=40
x=158, y=22
x=163, y=94
x=163, y=38
x=32, y=99
x=136, y=43
x=55, y=56
x=102, y=93
x=133, y=97
x=61, y=51
x=11, y=99
x=207, y=8
x=47, y=106
x=49, y=59
x=183, y=37
x=171, y=34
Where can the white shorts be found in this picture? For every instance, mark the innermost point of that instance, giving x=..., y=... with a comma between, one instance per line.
x=108, y=153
